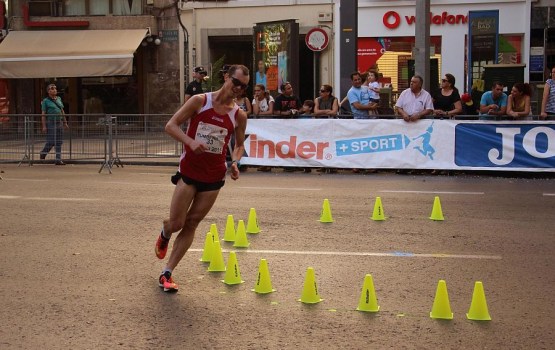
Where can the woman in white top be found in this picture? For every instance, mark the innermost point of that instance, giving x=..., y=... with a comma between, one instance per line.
x=262, y=103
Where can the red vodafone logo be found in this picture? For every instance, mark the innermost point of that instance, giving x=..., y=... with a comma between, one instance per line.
x=391, y=19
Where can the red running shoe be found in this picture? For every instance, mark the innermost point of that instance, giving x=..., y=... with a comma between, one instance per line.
x=161, y=247
x=166, y=281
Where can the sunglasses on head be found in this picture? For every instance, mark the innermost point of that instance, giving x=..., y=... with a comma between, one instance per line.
x=322, y=90
x=238, y=83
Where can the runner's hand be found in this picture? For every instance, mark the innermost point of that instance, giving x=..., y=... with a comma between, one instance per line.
x=197, y=147
x=234, y=171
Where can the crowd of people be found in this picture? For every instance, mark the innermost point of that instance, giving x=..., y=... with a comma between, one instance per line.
x=363, y=100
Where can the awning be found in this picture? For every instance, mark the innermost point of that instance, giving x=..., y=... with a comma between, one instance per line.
x=68, y=53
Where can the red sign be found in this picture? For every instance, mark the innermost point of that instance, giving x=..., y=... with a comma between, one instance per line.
x=369, y=52
x=392, y=19
x=316, y=39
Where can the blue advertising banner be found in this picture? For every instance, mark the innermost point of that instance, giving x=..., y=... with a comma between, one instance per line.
x=505, y=145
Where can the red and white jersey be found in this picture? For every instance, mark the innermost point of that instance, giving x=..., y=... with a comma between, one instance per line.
x=213, y=130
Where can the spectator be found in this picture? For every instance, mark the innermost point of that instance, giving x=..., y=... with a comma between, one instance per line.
x=244, y=103
x=373, y=90
x=518, y=103
x=359, y=99
x=263, y=102
x=260, y=75
x=53, y=121
x=447, y=101
x=326, y=104
x=307, y=110
x=414, y=102
x=468, y=105
x=195, y=87
x=493, y=103
x=548, y=100
x=286, y=103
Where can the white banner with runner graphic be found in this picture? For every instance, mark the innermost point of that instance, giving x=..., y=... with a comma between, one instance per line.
x=396, y=144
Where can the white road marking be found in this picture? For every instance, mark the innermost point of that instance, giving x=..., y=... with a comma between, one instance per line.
x=393, y=254
x=61, y=199
x=549, y=194
x=29, y=180
x=280, y=188
x=51, y=199
x=432, y=192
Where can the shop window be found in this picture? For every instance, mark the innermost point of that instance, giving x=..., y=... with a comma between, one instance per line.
x=44, y=8
x=390, y=57
x=100, y=7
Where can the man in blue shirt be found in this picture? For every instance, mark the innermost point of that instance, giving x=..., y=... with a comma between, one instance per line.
x=359, y=99
x=493, y=103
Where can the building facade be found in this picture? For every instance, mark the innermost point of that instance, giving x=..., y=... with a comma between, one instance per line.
x=180, y=35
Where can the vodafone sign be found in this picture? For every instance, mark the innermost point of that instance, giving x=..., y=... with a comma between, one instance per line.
x=392, y=19
x=316, y=39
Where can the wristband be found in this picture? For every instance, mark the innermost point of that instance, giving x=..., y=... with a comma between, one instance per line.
x=236, y=162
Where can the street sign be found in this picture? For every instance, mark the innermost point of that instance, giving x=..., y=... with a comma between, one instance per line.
x=317, y=39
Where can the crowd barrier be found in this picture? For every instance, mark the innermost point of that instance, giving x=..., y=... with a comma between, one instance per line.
x=113, y=139
x=107, y=139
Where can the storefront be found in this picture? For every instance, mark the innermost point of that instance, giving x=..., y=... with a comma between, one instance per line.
x=386, y=38
x=227, y=30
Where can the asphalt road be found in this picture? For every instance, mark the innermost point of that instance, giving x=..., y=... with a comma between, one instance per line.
x=78, y=270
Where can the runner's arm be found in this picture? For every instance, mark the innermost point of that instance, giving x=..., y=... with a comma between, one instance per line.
x=186, y=112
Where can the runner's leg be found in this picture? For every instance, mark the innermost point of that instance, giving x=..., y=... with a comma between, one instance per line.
x=200, y=206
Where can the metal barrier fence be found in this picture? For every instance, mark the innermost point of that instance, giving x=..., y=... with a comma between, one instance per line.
x=104, y=138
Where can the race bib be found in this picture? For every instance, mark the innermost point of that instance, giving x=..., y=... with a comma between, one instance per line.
x=212, y=136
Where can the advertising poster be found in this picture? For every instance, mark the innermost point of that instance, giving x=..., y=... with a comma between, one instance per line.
x=483, y=34
x=276, y=54
x=369, y=51
x=391, y=144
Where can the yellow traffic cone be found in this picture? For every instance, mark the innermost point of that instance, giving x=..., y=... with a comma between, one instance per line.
x=252, y=223
x=478, y=307
x=325, y=215
x=215, y=234
x=437, y=214
x=229, y=234
x=367, y=301
x=310, y=289
x=217, y=261
x=441, y=308
x=263, y=282
x=241, y=240
x=378, y=214
x=232, y=273
x=208, y=248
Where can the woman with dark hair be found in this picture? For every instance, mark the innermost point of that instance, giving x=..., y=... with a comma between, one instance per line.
x=447, y=101
x=326, y=103
x=263, y=102
x=518, y=104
